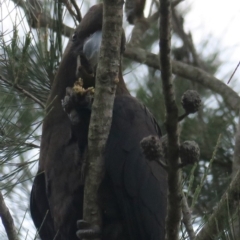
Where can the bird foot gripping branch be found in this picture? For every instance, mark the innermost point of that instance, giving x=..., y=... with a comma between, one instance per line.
x=132, y=196
x=77, y=99
x=86, y=230
x=80, y=90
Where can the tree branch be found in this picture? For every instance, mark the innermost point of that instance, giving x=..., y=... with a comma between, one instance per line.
x=142, y=25
x=234, y=72
x=152, y=60
x=7, y=220
x=174, y=174
x=189, y=72
x=79, y=16
x=186, y=38
x=70, y=10
x=101, y=116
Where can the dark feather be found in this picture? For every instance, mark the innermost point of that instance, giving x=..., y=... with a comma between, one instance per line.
x=133, y=193
x=140, y=186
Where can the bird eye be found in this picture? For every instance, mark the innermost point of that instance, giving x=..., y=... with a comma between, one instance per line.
x=74, y=36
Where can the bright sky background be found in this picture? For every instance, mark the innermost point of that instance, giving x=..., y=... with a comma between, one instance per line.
x=215, y=20
x=220, y=20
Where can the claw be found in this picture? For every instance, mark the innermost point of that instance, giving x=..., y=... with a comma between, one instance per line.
x=80, y=90
x=87, y=230
x=76, y=100
x=83, y=224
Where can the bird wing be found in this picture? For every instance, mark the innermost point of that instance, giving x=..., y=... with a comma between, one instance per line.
x=139, y=185
x=39, y=208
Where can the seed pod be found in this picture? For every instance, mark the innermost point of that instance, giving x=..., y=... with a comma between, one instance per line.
x=189, y=152
x=191, y=101
x=152, y=147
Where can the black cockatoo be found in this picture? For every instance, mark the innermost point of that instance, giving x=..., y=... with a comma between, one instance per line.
x=132, y=195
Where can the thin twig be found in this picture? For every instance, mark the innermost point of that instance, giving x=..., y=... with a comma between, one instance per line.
x=186, y=38
x=187, y=218
x=174, y=174
x=226, y=207
x=79, y=16
x=7, y=220
x=233, y=73
x=180, y=118
x=25, y=92
x=10, y=142
x=141, y=26
x=69, y=8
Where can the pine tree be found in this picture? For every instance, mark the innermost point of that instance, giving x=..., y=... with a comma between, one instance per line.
x=29, y=57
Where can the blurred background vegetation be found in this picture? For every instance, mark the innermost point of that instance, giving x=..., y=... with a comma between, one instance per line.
x=29, y=58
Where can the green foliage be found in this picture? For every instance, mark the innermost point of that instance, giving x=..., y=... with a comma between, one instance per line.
x=27, y=68
x=28, y=65
x=213, y=119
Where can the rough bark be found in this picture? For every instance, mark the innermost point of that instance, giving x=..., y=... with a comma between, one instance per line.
x=174, y=174
x=101, y=116
x=152, y=60
x=7, y=220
